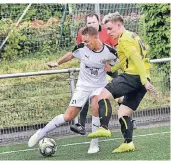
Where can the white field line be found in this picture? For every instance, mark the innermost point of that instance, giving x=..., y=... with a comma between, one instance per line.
x=25, y=150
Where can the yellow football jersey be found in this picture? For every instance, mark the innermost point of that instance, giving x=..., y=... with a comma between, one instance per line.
x=132, y=54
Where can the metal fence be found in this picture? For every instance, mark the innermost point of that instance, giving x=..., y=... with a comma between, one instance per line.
x=35, y=98
x=46, y=28
x=130, y=13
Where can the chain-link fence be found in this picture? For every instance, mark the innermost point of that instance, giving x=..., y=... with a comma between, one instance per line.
x=130, y=13
x=47, y=28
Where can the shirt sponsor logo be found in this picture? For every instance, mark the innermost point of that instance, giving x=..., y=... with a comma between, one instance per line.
x=93, y=70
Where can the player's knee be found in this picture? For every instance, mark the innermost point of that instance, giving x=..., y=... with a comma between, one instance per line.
x=67, y=117
x=71, y=113
x=102, y=94
x=124, y=111
x=105, y=94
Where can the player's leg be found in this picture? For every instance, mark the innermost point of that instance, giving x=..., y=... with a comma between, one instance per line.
x=80, y=127
x=69, y=115
x=84, y=96
x=83, y=114
x=119, y=101
x=105, y=111
x=94, y=146
x=57, y=121
x=118, y=87
x=130, y=103
x=124, y=114
x=78, y=100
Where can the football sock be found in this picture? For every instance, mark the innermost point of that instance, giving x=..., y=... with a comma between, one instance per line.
x=95, y=126
x=126, y=128
x=54, y=123
x=105, y=112
x=83, y=114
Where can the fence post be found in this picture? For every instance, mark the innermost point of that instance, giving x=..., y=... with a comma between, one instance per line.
x=62, y=24
x=72, y=88
x=97, y=9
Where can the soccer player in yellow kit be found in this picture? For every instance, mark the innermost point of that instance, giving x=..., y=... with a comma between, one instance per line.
x=133, y=83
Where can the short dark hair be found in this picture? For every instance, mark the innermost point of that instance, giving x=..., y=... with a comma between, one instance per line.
x=91, y=15
x=90, y=31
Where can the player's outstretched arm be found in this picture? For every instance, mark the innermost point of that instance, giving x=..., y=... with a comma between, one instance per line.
x=68, y=56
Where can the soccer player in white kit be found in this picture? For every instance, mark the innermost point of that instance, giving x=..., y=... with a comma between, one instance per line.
x=93, y=55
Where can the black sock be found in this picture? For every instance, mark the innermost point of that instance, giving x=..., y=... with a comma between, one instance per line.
x=126, y=128
x=105, y=112
x=83, y=114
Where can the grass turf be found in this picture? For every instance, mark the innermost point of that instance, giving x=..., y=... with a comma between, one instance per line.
x=148, y=147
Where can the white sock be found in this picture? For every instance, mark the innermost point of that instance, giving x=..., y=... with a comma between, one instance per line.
x=95, y=126
x=54, y=123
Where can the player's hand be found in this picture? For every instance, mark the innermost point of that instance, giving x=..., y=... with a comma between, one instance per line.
x=52, y=64
x=150, y=88
x=107, y=67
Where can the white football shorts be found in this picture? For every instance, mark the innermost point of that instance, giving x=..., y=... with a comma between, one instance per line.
x=81, y=96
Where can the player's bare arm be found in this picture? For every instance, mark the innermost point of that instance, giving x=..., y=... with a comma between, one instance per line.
x=67, y=57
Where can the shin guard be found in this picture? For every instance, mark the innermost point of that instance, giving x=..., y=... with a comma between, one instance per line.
x=126, y=128
x=105, y=112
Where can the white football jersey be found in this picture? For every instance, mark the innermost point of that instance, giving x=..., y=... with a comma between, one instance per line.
x=92, y=65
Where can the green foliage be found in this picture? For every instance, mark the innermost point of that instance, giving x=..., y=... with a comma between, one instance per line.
x=11, y=10
x=43, y=39
x=157, y=28
x=39, y=31
x=36, y=11
x=131, y=23
x=12, y=48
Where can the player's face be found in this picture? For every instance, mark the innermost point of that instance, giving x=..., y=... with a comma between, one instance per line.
x=90, y=41
x=113, y=29
x=92, y=21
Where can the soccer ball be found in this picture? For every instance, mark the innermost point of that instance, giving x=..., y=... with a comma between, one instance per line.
x=47, y=147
